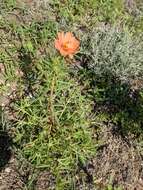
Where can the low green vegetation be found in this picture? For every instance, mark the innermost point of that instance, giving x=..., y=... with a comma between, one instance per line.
x=49, y=101
x=53, y=128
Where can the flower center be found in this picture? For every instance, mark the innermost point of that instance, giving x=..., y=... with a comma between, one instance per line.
x=66, y=46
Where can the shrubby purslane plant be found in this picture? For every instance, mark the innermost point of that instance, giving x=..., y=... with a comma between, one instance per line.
x=52, y=128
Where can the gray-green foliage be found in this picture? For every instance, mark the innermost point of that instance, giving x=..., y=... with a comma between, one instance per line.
x=115, y=53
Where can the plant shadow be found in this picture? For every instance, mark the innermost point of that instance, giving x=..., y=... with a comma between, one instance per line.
x=120, y=101
x=5, y=152
x=5, y=147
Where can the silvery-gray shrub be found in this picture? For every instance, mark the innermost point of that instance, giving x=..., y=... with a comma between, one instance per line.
x=114, y=53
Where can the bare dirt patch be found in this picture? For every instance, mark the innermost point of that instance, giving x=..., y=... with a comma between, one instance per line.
x=44, y=181
x=10, y=178
x=118, y=162
x=34, y=11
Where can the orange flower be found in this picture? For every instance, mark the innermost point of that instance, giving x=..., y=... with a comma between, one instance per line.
x=67, y=44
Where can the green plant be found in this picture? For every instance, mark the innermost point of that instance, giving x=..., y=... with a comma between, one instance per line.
x=50, y=113
x=115, y=54
x=52, y=126
x=113, y=72
x=112, y=188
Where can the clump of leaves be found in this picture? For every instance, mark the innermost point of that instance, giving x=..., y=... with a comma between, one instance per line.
x=113, y=70
x=115, y=54
x=53, y=130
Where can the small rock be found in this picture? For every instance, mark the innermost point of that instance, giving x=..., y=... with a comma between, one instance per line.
x=7, y=170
